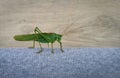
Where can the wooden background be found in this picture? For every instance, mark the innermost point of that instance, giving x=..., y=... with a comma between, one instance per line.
x=83, y=23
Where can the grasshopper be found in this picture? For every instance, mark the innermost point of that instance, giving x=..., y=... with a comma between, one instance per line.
x=41, y=37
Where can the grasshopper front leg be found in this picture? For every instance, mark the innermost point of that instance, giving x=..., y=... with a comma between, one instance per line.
x=61, y=47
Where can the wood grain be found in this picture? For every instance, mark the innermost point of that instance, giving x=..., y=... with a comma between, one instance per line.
x=83, y=23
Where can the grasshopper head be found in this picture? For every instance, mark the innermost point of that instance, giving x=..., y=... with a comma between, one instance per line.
x=58, y=36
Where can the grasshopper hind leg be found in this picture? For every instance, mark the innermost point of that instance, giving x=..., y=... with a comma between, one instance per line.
x=33, y=44
x=41, y=49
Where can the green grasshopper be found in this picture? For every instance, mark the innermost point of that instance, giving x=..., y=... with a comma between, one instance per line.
x=41, y=37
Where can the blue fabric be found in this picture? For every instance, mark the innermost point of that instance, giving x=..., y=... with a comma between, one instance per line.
x=73, y=63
